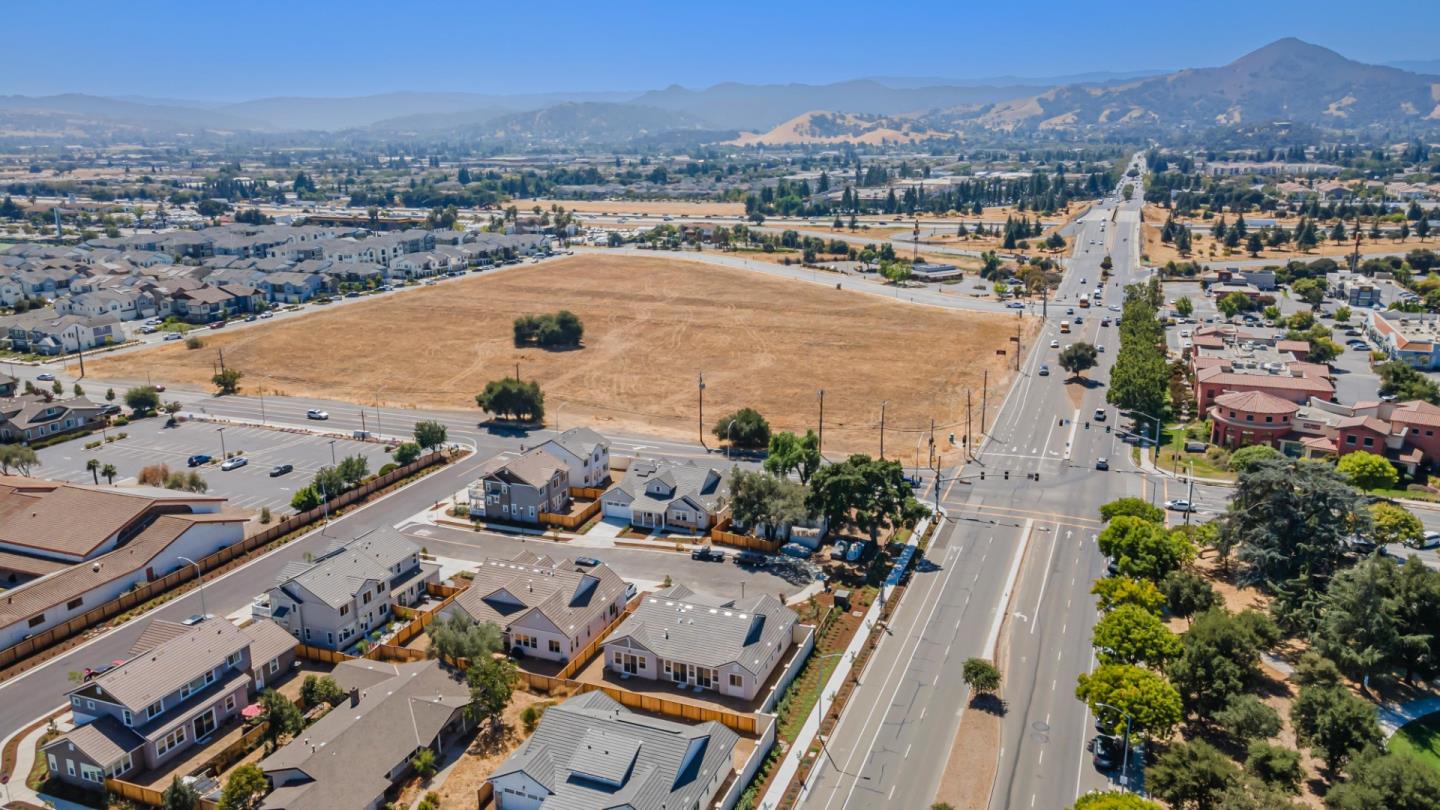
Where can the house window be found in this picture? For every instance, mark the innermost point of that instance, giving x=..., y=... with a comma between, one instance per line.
x=618, y=659
x=90, y=773
x=1369, y=442
x=554, y=646
x=90, y=704
x=170, y=741
x=365, y=598
x=736, y=681
x=274, y=665
x=75, y=603
x=122, y=765
x=75, y=701
x=233, y=659
x=1350, y=440
x=1249, y=417
x=70, y=766
x=1269, y=419
x=344, y=610
x=229, y=703
x=126, y=717
x=154, y=709
x=37, y=620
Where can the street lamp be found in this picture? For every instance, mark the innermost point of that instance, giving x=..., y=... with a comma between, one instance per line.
x=729, y=438
x=332, y=452
x=1156, y=421
x=221, y=431
x=200, y=579
x=1125, y=755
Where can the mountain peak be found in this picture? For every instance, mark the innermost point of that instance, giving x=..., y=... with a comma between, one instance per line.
x=1288, y=49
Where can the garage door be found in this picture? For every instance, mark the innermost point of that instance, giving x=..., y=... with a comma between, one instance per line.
x=616, y=510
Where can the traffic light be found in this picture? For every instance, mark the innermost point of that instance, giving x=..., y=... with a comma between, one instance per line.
x=982, y=475
x=1037, y=477
x=1087, y=425
x=1007, y=475
x=1107, y=428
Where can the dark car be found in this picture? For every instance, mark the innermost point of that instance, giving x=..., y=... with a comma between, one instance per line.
x=1102, y=463
x=197, y=459
x=707, y=554
x=281, y=469
x=749, y=557
x=588, y=562
x=1108, y=751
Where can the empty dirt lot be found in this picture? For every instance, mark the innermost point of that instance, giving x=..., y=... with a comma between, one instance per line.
x=650, y=326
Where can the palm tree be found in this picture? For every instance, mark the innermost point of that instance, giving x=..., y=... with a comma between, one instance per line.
x=109, y=472
x=93, y=466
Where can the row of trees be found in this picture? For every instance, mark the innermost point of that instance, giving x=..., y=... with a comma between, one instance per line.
x=562, y=329
x=860, y=493
x=1138, y=380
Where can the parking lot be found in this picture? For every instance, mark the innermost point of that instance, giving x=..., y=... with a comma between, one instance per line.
x=149, y=442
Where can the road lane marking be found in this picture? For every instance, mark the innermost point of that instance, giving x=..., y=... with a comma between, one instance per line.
x=1050, y=561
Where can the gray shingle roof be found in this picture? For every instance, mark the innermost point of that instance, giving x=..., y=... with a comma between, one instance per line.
x=505, y=591
x=591, y=753
x=174, y=663
x=103, y=741
x=680, y=625
x=342, y=570
x=705, y=487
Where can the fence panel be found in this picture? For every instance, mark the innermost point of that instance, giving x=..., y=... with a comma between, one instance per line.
x=744, y=541
x=571, y=521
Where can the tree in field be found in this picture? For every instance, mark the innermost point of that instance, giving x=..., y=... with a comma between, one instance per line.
x=790, y=453
x=1113, y=800
x=1392, y=781
x=1077, y=358
x=179, y=796
x=227, y=381
x=1274, y=765
x=1151, y=701
x=895, y=271
x=512, y=398
x=491, y=683
x=1191, y=776
x=406, y=452
x=1243, y=459
x=1115, y=592
x=560, y=330
x=1368, y=470
x=245, y=785
x=1334, y=723
x=1246, y=718
x=1134, y=507
x=864, y=493
x=763, y=499
x=1132, y=635
x=1187, y=593
x=744, y=428
x=1184, y=307
x=1253, y=245
x=282, y=717
x=1220, y=657
x=981, y=675
x=143, y=399
x=430, y=434
x=1395, y=524
x=1144, y=549
x=458, y=637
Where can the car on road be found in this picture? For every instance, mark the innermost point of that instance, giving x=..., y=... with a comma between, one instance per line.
x=1102, y=463
x=707, y=554
x=264, y=315
x=1108, y=751
x=1079, y=319
x=45, y=376
x=251, y=318
x=588, y=562
x=1069, y=310
x=316, y=413
x=1054, y=344
x=147, y=329
x=281, y=469
x=173, y=336
x=629, y=591
x=1044, y=370
x=234, y=463
x=1428, y=540
x=1179, y=505
x=1015, y=305
x=109, y=409
x=1099, y=414
x=217, y=325
x=196, y=460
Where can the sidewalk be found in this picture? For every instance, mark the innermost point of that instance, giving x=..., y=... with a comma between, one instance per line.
x=17, y=790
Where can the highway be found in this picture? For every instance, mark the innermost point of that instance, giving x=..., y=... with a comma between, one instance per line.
x=1016, y=554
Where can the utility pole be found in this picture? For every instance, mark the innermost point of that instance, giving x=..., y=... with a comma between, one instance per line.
x=517, y=371
x=883, y=403
x=1018, y=349
x=80, y=353
x=968, y=444
x=1355, y=256
x=821, y=447
x=1190, y=495
x=700, y=423
x=984, y=397
x=222, y=358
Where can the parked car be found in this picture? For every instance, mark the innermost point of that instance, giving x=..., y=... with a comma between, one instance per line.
x=837, y=551
x=316, y=413
x=857, y=548
x=281, y=469
x=588, y=562
x=197, y=459
x=147, y=329
x=749, y=557
x=1179, y=505
x=1015, y=305
x=1428, y=540
x=1108, y=751
x=267, y=315
x=218, y=325
x=45, y=376
x=707, y=554
x=196, y=618
x=234, y=463
x=173, y=336
x=1044, y=370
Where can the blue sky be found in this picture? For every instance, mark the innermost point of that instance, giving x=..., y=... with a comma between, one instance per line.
x=236, y=50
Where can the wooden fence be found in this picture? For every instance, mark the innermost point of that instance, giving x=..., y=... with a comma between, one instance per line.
x=571, y=521
x=587, y=652
x=484, y=795
x=134, y=792
x=592, y=493
x=144, y=592
x=745, y=541
x=655, y=704
x=320, y=654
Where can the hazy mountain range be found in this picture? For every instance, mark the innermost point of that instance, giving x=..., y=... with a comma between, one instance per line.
x=1286, y=80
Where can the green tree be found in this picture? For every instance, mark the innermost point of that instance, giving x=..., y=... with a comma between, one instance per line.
x=430, y=434
x=1368, y=470
x=896, y=272
x=1244, y=459
x=512, y=398
x=1276, y=766
x=1342, y=314
x=142, y=400
x=1416, y=609
x=1395, y=524
x=744, y=428
x=1309, y=290
x=1146, y=696
x=406, y=452
x=1113, y=800
x=1391, y=781
x=246, y=784
x=1184, y=307
x=491, y=683
x=459, y=637
x=227, y=381
x=1132, y=635
x=1357, y=622
x=1077, y=358
x=1191, y=776
x=109, y=394
x=305, y=499
x=1113, y=592
x=763, y=499
x=1134, y=507
x=1400, y=380
x=315, y=690
x=1334, y=723
x=1187, y=593
x=424, y=762
x=1253, y=245
x=108, y=472
x=92, y=466
x=1220, y=657
x=790, y=453
x=864, y=493
x=1246, y=718
x=57, y=388
x=179, y=796
x=1144, y=549
x=981, y=675
x=282, y=718
x=353, y=469
x=1233, y=304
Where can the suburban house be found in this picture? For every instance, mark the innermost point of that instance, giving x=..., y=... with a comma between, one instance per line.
x=591, y=753
x=347, y=591
x=352, y=756
x=164, y=700
x=521, y=489
x=289, y=287
x=8, y=385
x=29, y=417
x=668, y=495
x=45, y=331
x=125, y=305
x=205, y=304
x=703, y=641
x=545, y=608
x=585, y=453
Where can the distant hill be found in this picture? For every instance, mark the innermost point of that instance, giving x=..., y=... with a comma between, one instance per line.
x=298, y=113
x=828, y=128
x=1429, y=67
x=77, y=109
x=1287, y=80
x=586, y=123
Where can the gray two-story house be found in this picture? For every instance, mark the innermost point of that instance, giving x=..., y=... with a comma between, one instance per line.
x=336, y=599
x=585, y=452
x=521, y=489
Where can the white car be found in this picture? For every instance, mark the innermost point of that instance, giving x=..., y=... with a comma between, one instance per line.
x=316, y=413
x=1179, y=505
x=1428, y=540
x=234, y=463
x=45, y=376
x=1054, y=344
x=173, y=336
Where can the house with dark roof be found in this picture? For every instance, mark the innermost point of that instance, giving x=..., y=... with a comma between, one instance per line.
x=334, y=600
x=352, y=756
x=521, y=489
x=698, y=640
x=179, y=686
x=682, y=496
x=591, y=753
x=545, y=608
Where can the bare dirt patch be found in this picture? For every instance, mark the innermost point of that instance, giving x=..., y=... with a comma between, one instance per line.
x=679, y=208
x=651, y=325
